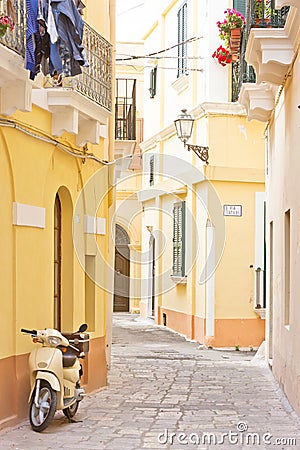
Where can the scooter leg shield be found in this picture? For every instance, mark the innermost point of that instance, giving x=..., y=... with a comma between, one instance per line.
x=47, y=376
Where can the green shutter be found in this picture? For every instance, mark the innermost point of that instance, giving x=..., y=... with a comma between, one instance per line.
x=153, y=76
x=240, y=6
x=179, y=239
x=151, y=164
x=182, y=37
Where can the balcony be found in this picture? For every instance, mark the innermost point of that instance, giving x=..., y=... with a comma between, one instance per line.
x=80, y=105
x=270, y=50
x=125, y=109
x=15, y=88
x=261, y=18
x=125, y=117
x=128, y=129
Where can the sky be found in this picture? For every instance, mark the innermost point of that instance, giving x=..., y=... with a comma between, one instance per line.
x=129, y=20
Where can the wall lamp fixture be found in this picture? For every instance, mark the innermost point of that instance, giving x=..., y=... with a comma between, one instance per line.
x=184, y=127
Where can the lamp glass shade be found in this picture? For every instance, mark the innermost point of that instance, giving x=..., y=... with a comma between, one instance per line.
x=184, y=126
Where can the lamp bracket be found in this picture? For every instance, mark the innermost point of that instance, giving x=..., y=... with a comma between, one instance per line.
x=201, y=151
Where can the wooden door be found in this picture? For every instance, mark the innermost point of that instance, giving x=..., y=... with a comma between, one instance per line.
x=121, y=293
x=57, y=263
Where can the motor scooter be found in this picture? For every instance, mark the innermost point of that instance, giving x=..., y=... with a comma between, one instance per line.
x=55, y=373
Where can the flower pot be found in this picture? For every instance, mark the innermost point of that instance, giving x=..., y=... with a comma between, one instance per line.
x=235, y=33
x=235, y=42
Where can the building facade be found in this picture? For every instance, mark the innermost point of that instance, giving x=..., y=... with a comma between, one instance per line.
x=56, y=149
x=274, y=53
x=129, y=129
x=203, y=220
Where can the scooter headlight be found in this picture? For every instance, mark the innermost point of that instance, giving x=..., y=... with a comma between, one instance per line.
x=54, y=340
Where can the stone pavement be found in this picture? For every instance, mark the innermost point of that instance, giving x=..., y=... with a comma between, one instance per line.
x=166, y=393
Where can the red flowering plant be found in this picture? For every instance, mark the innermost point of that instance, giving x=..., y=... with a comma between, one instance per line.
x=222, y=55
x=233, y=19
x=5, y=23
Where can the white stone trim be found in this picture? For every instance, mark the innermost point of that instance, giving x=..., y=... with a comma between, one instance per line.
x=181, y=83
x=271, y=51
x=73, y=113
x=258, y=100
x=15, y=86
x=94, y=225
x=280, y=3
x=199, y=111
x=90, y=224
x=101, y=225
x=28, y=215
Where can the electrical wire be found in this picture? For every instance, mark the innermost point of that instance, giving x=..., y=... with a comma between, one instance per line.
x=161, y=67
x=130, y=9
x=50, y=140
x=167, y=57
x=187, y=41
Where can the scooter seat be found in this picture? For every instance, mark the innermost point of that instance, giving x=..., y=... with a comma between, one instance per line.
x=69, y=359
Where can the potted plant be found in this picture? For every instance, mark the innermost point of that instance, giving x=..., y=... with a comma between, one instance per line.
x=263, y=11
x=222, y=55
x=6, y=23
x=234, y=20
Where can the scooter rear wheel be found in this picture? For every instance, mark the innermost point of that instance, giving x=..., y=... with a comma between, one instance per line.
x=71, y=410
x=41, y=416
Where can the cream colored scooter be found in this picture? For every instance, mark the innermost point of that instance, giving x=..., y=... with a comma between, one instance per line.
x=55, y=373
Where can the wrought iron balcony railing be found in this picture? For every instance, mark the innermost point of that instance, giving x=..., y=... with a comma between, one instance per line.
x=95, y=82
x=259, y=14
x=15, y=40
x=263, y=14
x=125, y=109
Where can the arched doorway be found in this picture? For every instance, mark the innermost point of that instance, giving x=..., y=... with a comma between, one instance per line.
x=122, y=270
x=57, y=263
x=63, y=260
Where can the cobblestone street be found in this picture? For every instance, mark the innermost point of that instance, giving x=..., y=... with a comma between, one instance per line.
x=161, y=384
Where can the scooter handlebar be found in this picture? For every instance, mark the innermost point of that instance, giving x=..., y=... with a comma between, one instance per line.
x=32, y=332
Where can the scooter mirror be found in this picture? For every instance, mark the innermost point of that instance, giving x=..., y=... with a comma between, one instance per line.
x=82, y=328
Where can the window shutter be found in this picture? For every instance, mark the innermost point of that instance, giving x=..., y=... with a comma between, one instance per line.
x=182, y=37
x=179, y=239
x=240, y=6
x=151, y=164
x=153, y=76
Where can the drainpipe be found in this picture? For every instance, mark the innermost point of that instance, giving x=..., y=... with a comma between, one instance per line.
x=111, y=194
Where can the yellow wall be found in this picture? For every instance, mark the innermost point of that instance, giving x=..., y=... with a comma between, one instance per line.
x=33, y=172
x=234, y=277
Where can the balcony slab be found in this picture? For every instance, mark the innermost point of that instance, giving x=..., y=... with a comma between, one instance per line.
x=271, y=51
x=280, y=3
x=258, y=100
x=15, y=87
x=72, y=113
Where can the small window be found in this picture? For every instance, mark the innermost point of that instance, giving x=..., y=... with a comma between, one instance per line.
x=151, y=167
x=153, y=77
x=182, y=38
x=179, y=239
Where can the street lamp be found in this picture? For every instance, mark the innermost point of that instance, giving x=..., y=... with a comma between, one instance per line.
x=184, y=127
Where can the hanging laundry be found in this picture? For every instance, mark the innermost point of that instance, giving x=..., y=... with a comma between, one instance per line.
x=69, y=24
x=54, y=38
x=32, y=12
x=51, y=26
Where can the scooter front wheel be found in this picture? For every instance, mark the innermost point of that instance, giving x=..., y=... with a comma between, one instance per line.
x=40, y=415
x=71, y=410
